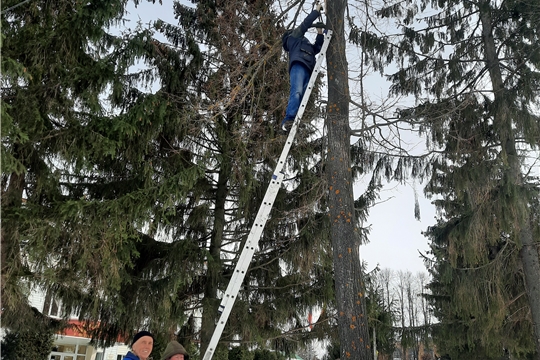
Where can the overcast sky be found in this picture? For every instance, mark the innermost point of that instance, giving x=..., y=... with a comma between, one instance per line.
x=396, y=236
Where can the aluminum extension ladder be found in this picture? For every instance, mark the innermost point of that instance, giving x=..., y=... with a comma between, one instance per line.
x=262, y=216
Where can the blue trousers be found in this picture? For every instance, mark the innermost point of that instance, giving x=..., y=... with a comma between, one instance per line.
x=299, y=77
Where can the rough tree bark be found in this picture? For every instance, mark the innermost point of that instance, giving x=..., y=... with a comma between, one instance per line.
x=349, y=284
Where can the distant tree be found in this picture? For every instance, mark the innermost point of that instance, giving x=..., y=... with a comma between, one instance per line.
x=409, y=315
x=381, y=313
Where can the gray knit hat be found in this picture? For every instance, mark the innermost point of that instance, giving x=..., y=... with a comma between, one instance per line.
x=174, y=348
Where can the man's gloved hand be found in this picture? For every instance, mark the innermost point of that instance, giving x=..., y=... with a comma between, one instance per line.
x=318, y=6
x=320, y=27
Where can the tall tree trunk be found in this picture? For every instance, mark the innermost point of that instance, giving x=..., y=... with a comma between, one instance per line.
x=404, y=337
x=349, y=285
x=513, y=176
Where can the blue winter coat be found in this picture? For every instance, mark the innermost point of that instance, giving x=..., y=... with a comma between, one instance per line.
x=131, y=356
x=299, y=47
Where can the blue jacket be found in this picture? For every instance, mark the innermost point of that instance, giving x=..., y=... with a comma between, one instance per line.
x=131, y=356
x=299, y=47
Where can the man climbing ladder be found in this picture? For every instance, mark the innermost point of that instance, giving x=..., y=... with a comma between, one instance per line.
x=301, y=62
x=263, y=214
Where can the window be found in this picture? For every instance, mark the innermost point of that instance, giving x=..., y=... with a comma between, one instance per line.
x=69, y=352
x=66, y=348
x=51, y=307
x=81, y=352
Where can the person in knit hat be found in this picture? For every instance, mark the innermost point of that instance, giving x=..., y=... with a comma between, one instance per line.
x=174, y=351
x=141, y=346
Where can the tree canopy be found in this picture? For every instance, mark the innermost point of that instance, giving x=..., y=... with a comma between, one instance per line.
x=134, y=160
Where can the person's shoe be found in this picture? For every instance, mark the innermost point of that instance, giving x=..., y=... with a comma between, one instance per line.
x=286, y=125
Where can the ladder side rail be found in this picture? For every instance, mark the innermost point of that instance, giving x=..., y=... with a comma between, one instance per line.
x=263, y=214
x=251, y=243
x=242, y=265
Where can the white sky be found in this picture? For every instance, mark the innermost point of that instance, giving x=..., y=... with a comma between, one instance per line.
x=396, y=236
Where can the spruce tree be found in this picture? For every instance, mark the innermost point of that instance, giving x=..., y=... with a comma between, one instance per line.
x=130, y=206
x=381, y=315
x=53, y=230
x=473, y=69
x=244, y=98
